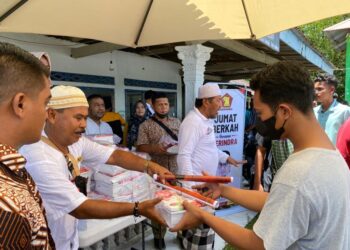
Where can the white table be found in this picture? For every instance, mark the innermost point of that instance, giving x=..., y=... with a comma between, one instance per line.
x=97, y=230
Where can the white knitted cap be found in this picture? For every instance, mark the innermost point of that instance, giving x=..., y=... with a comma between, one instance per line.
x=208, y=90
x=67, y=97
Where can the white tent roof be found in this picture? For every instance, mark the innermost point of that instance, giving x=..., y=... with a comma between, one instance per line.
x=337, y=33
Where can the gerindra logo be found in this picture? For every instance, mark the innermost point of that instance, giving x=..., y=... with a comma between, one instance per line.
x=226, y=101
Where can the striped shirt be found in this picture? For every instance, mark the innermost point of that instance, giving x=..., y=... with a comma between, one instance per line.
x=22, y=220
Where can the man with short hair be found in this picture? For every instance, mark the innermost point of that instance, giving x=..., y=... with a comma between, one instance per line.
x=155, y=136
x=94, y=124
x=24, y=94
x=309, y=203
x=154, y=139
x=54, y=164
x=198, y=152
x=330, y=113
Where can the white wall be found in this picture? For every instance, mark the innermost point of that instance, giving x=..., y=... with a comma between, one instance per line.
x=134, y=66
x=124, y=65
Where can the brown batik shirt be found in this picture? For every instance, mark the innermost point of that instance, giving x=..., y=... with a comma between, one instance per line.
x=23, y=223
x=151, y=133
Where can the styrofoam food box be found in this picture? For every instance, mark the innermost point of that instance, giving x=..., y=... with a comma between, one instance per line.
x=110, y=169
x=172, y=218
x=114, y=190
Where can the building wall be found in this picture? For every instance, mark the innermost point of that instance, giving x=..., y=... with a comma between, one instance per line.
x=117, y=64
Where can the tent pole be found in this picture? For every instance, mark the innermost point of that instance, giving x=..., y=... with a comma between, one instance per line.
x=13, y=9
x=143, y=23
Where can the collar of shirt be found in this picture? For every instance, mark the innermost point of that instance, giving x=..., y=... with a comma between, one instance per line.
x=330, y=109
x=11, y=158
x=150, y=108
x=201, y=115
x=97, y=124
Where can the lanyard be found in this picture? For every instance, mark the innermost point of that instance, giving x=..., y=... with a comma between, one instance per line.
x=72, y=163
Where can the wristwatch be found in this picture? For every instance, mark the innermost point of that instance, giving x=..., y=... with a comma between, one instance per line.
x=135, y=211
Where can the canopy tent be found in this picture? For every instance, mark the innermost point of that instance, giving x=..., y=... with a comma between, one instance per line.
x=339, y=34
x=137, y=23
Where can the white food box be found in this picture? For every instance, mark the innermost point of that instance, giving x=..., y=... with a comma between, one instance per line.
x=117, y=186
x=113, y=179
x=127, y=186
x=115, y=191
x=173, y=217
x=141, y=188
x=110, y=169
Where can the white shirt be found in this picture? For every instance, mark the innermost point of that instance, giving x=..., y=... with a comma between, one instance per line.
x=92, y=128
x=197, y=146
x=49, y=170
x=149, y=107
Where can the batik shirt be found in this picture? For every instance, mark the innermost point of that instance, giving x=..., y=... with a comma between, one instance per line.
x=151, y=132
x=23, y=223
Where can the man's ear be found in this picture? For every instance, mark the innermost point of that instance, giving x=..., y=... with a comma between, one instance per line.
x=51, y=115
x=19, y=104
x=205, y=102
x=286, y=110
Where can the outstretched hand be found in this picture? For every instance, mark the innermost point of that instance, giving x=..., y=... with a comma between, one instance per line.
x=155, y=168
x=147, y=209
x=191, y=219
x=211, y=190
x=234, y=162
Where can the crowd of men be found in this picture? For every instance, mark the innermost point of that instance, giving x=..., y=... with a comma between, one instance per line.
x=43, y=143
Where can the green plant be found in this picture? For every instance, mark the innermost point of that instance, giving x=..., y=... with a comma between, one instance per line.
x=314, y=33
x=248, y=226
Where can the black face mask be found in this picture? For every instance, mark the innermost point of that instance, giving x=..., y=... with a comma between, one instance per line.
x=161, y=116
x=267, y=128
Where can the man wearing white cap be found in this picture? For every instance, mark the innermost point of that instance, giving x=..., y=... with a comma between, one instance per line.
x=54, y=162
x=197, y=145
x=198, y=151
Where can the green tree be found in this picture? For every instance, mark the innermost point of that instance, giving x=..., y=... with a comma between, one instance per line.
x=314, y=33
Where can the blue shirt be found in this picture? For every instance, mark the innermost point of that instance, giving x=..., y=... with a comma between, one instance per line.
x=332, y=118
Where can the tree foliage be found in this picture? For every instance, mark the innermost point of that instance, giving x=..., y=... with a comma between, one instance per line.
x=318, y=39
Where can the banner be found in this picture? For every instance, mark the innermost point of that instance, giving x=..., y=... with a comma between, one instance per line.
x=229, y=131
